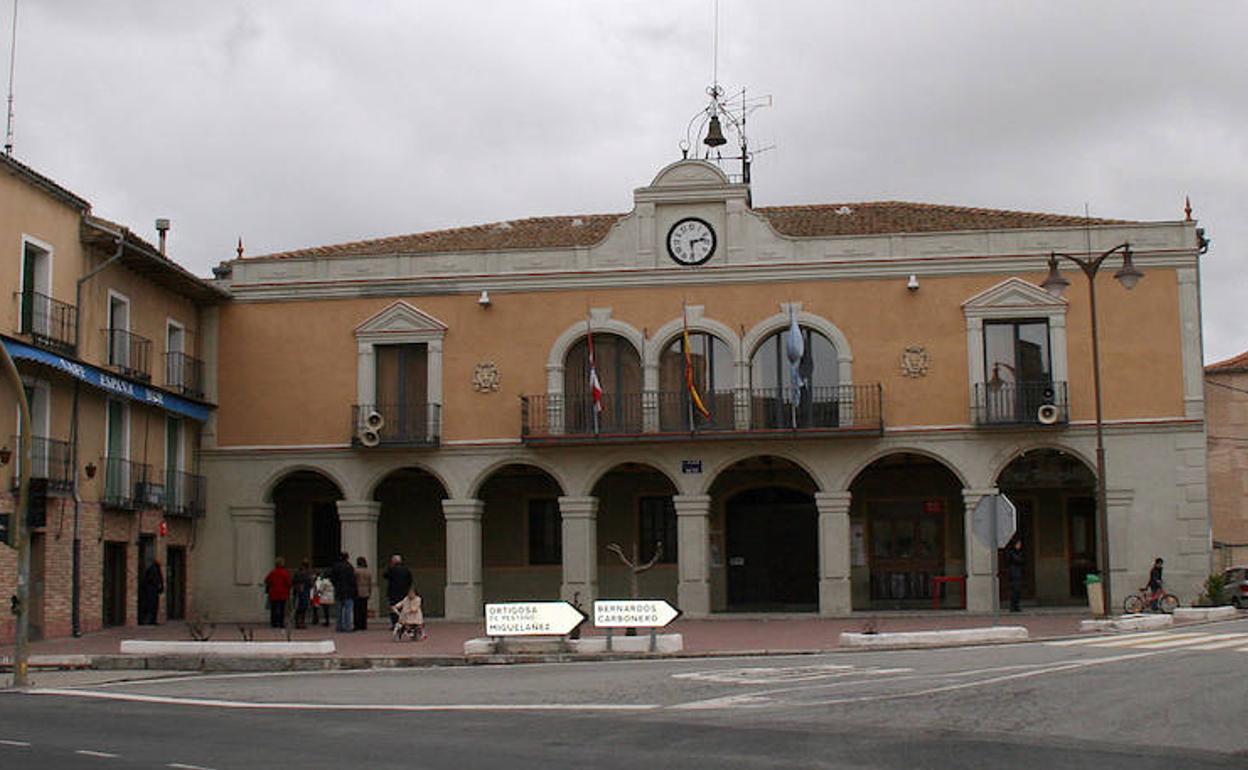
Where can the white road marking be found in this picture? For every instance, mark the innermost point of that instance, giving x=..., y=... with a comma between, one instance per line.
x=18, y=744
x=1095, y=640
x=1143, y=642
x=1222, y=641
x=1177, y=642
x=97, y=754
x=777, y=675
x=281, y=706
x=180, y=766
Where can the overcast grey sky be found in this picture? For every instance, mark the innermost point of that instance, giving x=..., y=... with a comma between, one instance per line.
x=303, y=122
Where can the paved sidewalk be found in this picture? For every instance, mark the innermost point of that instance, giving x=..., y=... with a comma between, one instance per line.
x=720, y=635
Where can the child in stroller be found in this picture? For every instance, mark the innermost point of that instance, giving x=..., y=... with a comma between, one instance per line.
x=411, y=622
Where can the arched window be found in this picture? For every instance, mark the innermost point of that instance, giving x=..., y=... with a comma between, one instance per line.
x=619, y=372
x=776, y=403
x=711, y=361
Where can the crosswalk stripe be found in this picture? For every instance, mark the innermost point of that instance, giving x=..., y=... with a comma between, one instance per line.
x=1229, y=640
x=1187, y=642
x=1142, y=642
x=1102, y=639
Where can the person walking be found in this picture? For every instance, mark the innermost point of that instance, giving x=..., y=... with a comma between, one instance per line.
x=150, y=588
x=342, y=574
x=363, y=591
x=277, y=585
x=1014, y=559
x=398, y=581
x=301, y=587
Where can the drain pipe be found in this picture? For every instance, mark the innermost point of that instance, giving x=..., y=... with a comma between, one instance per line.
x=75, y=610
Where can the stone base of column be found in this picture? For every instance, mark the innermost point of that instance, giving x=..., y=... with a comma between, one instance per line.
x=979, y=593
x=464, y=602
x=835, y=597
x=694, y=599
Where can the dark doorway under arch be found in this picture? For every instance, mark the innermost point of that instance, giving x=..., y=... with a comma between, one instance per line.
x=305, y=523
x=411, y=524
x=773, y=550
x=521, y=535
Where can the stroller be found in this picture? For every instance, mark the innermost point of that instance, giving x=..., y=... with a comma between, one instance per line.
x=411, y=622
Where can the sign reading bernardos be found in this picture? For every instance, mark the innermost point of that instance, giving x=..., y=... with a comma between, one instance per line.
x=633, y=613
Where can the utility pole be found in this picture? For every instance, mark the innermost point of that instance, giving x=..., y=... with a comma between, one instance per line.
x=20, y=536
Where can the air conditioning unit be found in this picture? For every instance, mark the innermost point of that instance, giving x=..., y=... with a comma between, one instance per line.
x=146, y=493
x=1047, y=414
x=369, y=437
x=374, y=421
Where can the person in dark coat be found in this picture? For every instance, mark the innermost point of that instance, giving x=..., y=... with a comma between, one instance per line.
x=398, y=581
x=363, y=592
x=277, y=585
x=301, y=593
x=1014, y=564
x=342, y=574
x=150, y=588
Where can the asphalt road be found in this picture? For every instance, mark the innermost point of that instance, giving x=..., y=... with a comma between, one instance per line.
x=1166, y=700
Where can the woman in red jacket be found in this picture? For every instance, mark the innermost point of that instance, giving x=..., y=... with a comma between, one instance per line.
x=277, y=584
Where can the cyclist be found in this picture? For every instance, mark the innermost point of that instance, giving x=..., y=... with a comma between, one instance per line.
x=1155, y=584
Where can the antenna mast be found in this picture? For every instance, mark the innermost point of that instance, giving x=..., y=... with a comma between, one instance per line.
x=8, y=129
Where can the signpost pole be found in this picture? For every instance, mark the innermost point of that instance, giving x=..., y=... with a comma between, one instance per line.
x=996, y=577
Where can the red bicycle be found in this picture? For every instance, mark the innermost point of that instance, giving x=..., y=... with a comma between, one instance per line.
x=1145, y=600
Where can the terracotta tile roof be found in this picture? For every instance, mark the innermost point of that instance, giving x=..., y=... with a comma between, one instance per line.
x=1237, y=363
x=891, y=217
x=876, y=218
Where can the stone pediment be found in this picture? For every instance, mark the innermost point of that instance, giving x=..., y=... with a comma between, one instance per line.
x=1013, y=295
x=401, y=320
x=689, y=172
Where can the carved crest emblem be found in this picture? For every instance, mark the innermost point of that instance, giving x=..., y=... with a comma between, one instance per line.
x=485, y=377
x=914, y=361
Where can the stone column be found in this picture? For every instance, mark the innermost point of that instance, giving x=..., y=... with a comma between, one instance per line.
x=358, y=522
x=693, y=522
x=979, y=578
x=253, y=542
x=463, y=558
x=580, y=549
x=1121, y=559
x=835, y=596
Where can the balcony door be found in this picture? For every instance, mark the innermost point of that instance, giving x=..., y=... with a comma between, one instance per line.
x=36, y=289
x=175, y=360
x=1017, y=369
x=38, y=398
x=619, y=374
x=118, y=330
x=777, y=403
x=175, y=495
x=403, y=391
x=117, y=471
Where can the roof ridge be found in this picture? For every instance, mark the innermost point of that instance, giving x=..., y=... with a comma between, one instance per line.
x=1232, y=364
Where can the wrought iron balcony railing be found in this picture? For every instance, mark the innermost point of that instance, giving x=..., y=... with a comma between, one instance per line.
x=185, y=494
x=50, y=323
x=664, y=414
x=49, y=460
x=129, y=353
x=1023, y=403
x=184, y=374
x=396, y=425
x=128, y=485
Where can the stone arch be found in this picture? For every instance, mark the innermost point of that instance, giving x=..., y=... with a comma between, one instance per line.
x=483, y=476
x=277, y=477
x=668, y=332
x=1002, y=459
x=603, y=467
x=601, y=322
x=856, y=470
x=377, y=477
x=780, y=321
x=783, y=453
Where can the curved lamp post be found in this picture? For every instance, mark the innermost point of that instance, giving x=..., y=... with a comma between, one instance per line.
x=1128, y=275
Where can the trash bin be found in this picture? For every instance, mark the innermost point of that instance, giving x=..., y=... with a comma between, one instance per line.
x=1096, y=594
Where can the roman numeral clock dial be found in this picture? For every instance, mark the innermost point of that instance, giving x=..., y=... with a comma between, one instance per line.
x=691, y=241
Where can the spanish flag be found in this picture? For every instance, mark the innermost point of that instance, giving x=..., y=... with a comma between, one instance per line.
x=693, y=391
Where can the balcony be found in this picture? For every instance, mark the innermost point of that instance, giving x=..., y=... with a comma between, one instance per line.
x=128, y=486
x=396, y=425
x=657, y=416
x=50, y=323
x=49, y=460
x=1010, y=404
x=185, y=494
x=184, y=374
x=129, y=354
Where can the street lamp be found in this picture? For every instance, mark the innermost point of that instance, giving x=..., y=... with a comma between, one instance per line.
x=1128, y=275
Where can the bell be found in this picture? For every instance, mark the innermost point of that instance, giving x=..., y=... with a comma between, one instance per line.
x=714, y=134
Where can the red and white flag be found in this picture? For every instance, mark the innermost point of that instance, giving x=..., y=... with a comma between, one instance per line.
x=595, y=387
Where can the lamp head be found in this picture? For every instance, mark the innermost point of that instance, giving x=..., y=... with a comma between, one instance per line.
x=913, y=283
x=484, y=299
x=1055, y=283
x=1128, y=275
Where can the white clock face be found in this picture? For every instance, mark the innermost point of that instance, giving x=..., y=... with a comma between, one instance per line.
x=691, y=241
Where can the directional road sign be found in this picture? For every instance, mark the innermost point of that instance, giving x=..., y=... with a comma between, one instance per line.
x=995, y=518
x=633, y=613
x=531, y=619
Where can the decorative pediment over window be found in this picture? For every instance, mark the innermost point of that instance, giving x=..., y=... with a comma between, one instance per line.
x=400, y=322
x=1013, y=297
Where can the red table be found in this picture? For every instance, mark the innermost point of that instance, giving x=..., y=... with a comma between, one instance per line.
x=937, y=582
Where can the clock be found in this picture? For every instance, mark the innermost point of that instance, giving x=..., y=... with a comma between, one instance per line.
x=691, y=241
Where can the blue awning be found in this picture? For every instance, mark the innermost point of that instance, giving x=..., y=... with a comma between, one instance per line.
x=110, y=383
